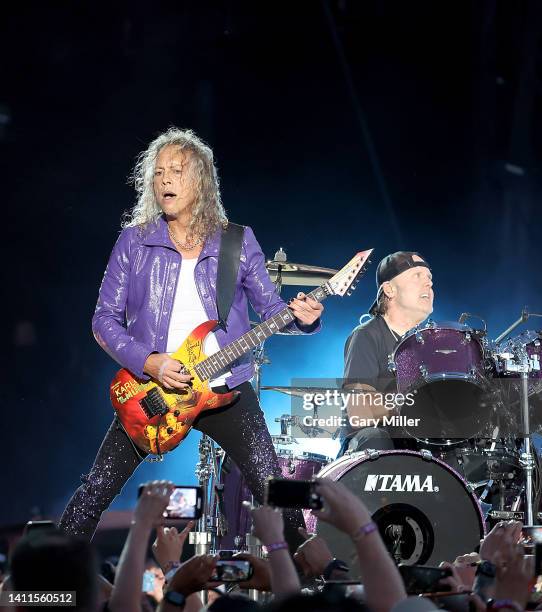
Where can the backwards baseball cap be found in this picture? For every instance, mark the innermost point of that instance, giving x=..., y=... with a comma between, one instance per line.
x=393, y=265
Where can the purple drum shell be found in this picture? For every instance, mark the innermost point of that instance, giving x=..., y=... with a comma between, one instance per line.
x=301, y=466
x=451, y=512
x=444, y=350
x=237, y=516
x=443, y=367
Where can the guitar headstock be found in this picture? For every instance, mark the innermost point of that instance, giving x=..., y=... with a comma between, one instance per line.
x=346, y=279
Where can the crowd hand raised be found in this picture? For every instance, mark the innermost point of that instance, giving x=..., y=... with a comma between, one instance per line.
x=268, y=524
x=152, y=502
x=261, y=576
x=313, y=556
x=193, y=575
x=341, y=507
x=514, y=578
x=167, y=371
x=169, y=543
x=454, y=581
x=493, y=541
x=305, y=309
x=466, y=569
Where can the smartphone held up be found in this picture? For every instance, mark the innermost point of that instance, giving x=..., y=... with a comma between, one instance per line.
x=185, y=503
x=285, y=493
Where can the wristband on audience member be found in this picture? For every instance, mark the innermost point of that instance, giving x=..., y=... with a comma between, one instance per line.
x=276, y=546
x=487, y=569
x=501, y=604
x=171, y=569
x=364, y=530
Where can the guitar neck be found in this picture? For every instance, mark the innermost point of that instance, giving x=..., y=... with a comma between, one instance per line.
x=216, y=363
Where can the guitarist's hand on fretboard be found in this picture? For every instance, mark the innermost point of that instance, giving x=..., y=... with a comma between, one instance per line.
x=166, y=371
x=305, y=309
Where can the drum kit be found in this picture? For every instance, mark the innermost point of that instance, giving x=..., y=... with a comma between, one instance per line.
x=470, y=463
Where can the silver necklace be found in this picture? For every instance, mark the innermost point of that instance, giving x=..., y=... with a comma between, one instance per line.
x=188, y=246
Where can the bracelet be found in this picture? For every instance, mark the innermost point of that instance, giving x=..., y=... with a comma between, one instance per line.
x=276, y=546
x=364, y=530
x=499, y=604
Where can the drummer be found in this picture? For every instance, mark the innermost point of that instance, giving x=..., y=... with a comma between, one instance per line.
x=404, y=299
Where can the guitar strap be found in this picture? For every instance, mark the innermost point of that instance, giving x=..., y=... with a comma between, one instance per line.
x=229, y=258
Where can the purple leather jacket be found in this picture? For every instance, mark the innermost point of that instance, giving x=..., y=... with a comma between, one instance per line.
x=136, y=297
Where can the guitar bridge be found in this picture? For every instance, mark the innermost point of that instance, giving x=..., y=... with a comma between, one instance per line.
x=153, y=403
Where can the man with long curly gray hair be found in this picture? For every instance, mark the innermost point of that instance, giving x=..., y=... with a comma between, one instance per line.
x=161, y=283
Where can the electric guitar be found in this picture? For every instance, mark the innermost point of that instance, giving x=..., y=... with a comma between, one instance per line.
x=158, y=419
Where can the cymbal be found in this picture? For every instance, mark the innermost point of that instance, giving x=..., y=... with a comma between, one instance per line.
x=298, y=274
x=300, y=391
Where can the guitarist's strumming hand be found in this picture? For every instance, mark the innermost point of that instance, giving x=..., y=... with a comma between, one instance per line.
x=167, y=371
x=305, y=309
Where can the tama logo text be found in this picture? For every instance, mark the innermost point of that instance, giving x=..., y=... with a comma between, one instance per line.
x=406, y=483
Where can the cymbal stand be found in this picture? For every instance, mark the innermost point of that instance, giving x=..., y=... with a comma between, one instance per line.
x=517, y=361
x=205, y=469
x=522, y=365
x=526, y=456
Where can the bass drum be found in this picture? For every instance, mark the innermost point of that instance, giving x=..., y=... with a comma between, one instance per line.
x=423, y=508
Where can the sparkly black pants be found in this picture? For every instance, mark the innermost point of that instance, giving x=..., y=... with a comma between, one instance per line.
x=240, y=429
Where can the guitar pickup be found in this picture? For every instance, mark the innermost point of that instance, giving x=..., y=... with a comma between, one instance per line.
x=153, y=403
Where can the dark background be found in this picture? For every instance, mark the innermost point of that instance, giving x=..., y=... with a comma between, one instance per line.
x=337, y=126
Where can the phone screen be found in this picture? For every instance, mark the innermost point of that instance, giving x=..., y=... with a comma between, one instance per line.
x=232, y=570
x=148, y=581
x=285, y=493
x=419, y=579
x=185, y=503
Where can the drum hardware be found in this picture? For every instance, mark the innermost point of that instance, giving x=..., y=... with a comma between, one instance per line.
x=465, y=316
x=523, y=317
x=517, y=501
x=391, y=364
x=283, y=440
x=213, y=520
x=221, y=521
x=286, y=421
x=507, y=515
x=394, y=534
x=522, y=365
x=301, y=391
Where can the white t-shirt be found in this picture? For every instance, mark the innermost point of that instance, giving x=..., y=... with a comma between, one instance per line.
x=188, y=313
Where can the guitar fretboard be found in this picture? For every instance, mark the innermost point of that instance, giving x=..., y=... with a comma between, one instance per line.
x=217, y=362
